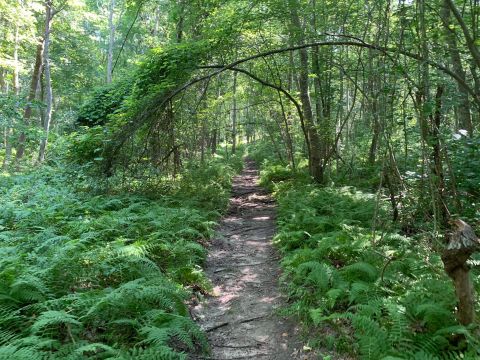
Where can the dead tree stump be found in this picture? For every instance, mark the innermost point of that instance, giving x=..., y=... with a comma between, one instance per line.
x=461, y=244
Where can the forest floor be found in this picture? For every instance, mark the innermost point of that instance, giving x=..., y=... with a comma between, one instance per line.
x=241, y=318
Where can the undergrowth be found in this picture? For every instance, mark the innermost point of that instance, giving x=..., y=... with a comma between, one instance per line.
x=104, y=276
x=360, y=287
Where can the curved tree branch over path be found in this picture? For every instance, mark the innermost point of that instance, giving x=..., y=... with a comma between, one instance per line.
x=164, y=100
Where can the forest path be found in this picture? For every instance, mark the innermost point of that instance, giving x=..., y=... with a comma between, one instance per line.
x=240, y=319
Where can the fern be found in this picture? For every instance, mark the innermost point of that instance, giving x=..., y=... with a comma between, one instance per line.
x=95, y=349
x=361, y=271
x=29, y=288
x=11, y=352
x=54, y=318
x=399, y=327
x=373, y=340
x=313, y=273
x=433, y=315
x=152, y=353
x=394, y=295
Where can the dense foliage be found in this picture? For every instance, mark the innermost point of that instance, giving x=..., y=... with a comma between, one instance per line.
x=108, y=275
x=353, y=279
x=364, y=114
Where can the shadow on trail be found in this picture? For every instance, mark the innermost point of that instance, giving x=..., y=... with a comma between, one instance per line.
x=240, y=318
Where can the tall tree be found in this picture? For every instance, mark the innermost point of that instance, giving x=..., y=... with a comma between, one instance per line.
x=49, y=13
x=463, y=107
x=314, y=146
x=111, y=40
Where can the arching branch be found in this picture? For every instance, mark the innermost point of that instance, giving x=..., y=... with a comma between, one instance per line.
x=382, y=49
x=163, y=99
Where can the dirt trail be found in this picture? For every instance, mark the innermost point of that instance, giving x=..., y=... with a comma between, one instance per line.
x=240, y=319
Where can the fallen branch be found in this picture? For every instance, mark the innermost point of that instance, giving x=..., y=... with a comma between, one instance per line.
x=223, y=324
x=215, y=327
x=252, y=319
x=238, y=347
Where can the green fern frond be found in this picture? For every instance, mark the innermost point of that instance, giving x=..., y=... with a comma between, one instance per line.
x=361, y=271
x=372, y=338
x=95, y=349
x=10, y=352
x=434, y=315
x=54, y=318
x=315, y=274
x=153, y=353
x=7, y=336
x=362, y=292
x=29, y=288
x=399, y=327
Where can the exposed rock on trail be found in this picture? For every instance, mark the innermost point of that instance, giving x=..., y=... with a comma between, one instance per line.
x=240, y=320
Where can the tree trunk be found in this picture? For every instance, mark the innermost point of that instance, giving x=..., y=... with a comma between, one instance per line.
x=3, y=83
x=234, y=114
x=180, y=22
x=16, y=89
x=48, y=82
x=111, y=40
x=288, y=135
x=156, y=25
x=372, y=154
x=463, y=107
x=315, y=158
x=37, y=70
x=464, y=291
x=461, y=244
x=470, y=41
x=213, y=144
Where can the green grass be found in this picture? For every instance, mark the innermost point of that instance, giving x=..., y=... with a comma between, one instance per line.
x=107, y=275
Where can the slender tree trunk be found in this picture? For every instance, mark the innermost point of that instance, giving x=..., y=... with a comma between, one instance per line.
x=463, y=107
x=16, y=69
x=321, y=86
x=315, y=158
x=3, y=83
x=469, y=39
x=439, y=178
x=16, y=89
x=288, y=135
x=3, y=90
x=234, y=114
x=213, y=144
x=372, y=154
x=156, y=25
x=180, y=22
x=48, y=82
x=37, y=70
x=319, y=111
x=111, y=40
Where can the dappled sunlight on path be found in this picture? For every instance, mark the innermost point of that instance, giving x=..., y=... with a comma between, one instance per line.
x=240, y=317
